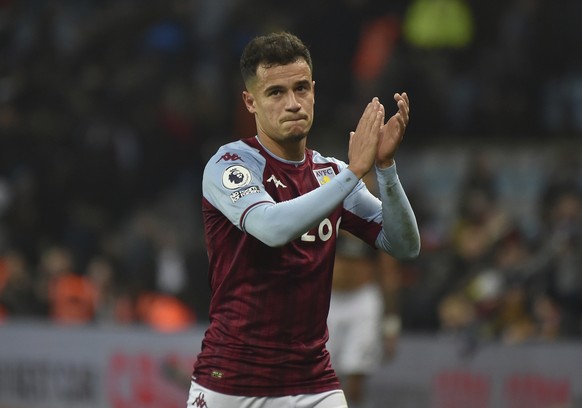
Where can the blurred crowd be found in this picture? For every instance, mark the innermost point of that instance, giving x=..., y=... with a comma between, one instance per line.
x=488, y=276
x=109, y=109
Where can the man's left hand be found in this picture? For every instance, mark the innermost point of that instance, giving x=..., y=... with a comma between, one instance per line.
x=392, y=132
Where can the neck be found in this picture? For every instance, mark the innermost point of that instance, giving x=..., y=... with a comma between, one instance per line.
x=292, y=149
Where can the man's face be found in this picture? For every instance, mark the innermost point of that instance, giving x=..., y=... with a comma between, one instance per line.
x=282, y=98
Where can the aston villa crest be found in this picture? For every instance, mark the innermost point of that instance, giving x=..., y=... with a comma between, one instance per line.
x=324, y=175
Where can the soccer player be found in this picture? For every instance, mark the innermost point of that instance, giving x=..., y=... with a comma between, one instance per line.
x=272, y=209
x=355, y=317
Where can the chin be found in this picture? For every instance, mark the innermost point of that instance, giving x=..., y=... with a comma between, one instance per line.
x=297, y=137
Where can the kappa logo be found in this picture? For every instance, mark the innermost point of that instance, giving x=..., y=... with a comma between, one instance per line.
x=324, y=175
x=230, y=157
x=276, y=181
x=199, y=401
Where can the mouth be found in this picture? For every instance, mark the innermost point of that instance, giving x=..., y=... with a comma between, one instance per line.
x=297, y=119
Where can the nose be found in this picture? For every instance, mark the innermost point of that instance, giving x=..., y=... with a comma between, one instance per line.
x=292, y=104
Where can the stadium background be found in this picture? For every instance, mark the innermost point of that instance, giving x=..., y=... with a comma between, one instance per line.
x=109, y=109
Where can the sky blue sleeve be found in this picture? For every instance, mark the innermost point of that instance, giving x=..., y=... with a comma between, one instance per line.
x=278, y=224
x=399, y=236
x=232, y=183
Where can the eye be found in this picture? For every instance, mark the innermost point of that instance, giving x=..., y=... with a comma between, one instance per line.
x=302, y=88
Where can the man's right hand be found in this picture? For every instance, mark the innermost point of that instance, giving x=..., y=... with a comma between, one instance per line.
x=363, y=144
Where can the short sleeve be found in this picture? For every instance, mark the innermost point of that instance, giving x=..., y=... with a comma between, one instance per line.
x=233, y=181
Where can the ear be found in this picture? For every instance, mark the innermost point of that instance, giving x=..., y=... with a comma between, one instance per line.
x=249, y=101
x=313, y=85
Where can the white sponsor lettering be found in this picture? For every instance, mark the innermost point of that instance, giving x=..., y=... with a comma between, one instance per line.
x=237, y=195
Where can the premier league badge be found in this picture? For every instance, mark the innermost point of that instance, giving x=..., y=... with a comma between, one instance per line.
x=236, y=177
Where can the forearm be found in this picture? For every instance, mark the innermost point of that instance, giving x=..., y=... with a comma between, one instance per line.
x=280, y=223
x=399, y=236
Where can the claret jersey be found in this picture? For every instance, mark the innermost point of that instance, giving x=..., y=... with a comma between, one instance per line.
x=269, y=305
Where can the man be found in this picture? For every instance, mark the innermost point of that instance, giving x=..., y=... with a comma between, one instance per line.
x=359, y=336
x=272, y=209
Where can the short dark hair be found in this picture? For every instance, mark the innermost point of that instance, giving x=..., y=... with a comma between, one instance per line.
x=272, y=49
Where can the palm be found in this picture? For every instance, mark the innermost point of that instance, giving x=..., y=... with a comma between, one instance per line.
x=390, y=137
x=392, y=132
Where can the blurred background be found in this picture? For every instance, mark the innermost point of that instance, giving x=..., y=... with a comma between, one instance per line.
x=109, y=110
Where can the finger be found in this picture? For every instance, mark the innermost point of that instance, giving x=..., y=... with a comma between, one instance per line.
x=373, y=105
x=401, y=122
x=383, y=110
x=378, y=122
x=403, y=96
x=363, y=123
x=403, y=110
x=402, y=102
x=376, y=112
x=370, y=117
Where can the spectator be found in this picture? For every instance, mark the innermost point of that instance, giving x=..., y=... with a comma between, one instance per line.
x=72, y=299
x=16, y=290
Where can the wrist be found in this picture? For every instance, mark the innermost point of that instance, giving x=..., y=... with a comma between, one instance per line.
x=387, y=176
x=384, y=163
x=358, y=172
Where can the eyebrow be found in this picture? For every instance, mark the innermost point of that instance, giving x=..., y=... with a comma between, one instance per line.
x=276, y=87
x=273, y=88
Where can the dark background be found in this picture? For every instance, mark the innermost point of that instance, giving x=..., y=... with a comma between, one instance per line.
x=110, y=109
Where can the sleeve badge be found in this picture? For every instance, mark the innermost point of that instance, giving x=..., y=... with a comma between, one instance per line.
x=235, y=177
